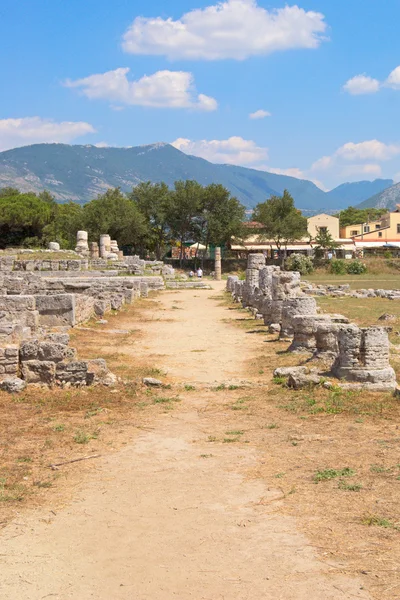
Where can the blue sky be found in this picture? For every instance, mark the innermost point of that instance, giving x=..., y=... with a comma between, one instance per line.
x=319, y=78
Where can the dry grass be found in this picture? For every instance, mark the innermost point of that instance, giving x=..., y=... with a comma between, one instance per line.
x=353, y=521
x=42, y=426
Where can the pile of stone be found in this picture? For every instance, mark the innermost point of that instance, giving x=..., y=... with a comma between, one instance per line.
x=358, y=357
x=49, y=361
x=339, y=291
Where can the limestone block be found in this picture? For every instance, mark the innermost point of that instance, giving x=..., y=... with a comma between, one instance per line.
x=74, y=372
x=54, y=246
x=101, y=307
x=37, y=371
x=13, y=385
x=56, y=310
x=117, y=301
x=144, y=289
x=58, y=338
x=298, y=381
x=96, y=371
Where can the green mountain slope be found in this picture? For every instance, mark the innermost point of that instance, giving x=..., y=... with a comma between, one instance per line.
x=386, y=199
x=352, y=193
x=81, y=172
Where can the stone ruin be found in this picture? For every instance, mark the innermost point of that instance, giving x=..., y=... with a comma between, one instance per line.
x=40, y=299
x=358, y=357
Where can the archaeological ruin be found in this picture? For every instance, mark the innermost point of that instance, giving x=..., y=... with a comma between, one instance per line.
x=356, y=357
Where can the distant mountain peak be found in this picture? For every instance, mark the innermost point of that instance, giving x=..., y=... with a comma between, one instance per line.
x=81, y=172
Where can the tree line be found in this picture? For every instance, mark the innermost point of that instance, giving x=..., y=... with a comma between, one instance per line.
x=148, y=219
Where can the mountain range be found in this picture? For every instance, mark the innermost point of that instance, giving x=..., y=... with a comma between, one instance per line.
x=80, y=173
x=386, y=199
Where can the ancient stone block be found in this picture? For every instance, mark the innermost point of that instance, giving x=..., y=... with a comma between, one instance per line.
x=37, y=371
x=74, y=372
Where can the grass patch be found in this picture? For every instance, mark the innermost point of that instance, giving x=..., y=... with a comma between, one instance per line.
x=325, y=474
x=374, y=520
x=349, y=487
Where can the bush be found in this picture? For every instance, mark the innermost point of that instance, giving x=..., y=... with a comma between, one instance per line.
x=299, y=262
x=356, y=267
x=338, y=266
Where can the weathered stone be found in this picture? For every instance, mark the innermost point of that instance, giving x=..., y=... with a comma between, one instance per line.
x=298, y=381
x=37, y=371
x=255, y=261
x=54, y=246
x=150, y=381
x=286, y=371
x=303, y=305
x=13, y=385
x=363, y=357
x=82, y=246
x=74, y=372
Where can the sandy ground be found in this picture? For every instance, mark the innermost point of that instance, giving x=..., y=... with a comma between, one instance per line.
x=164, y=518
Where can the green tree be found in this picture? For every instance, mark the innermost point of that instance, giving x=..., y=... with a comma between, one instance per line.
x=324, y=242
x=221, y=217
x=355, y=216
x=280, y=221
x=65, y=222
x=115, y=214
x=187, y=201
x=155, y=202
x=22, y=218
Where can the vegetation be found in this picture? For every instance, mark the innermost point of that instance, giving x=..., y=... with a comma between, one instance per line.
x=299, y=262
x=280, y=220
x=354, y=216
x=147, y=220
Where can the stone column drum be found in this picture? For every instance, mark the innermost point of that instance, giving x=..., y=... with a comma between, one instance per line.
x=82, y=245
x=304, y=305
x=94, y=250
x=105, y=245
x=363, y=358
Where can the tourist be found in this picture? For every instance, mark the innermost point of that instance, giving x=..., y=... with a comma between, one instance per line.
x=199, y=272
x=191, y=274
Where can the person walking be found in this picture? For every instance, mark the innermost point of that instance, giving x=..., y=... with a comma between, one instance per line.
x=200, y=273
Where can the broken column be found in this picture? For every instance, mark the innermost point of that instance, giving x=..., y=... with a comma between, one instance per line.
x=254, y=263
x=82, y=245
x=218, y=265
x=230, y=282
x=303, y=305
x=94, y=250
x=105, y=245
x=363, y=358
x=285, y=284
x=114, y=247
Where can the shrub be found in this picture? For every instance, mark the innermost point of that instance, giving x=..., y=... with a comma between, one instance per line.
x=356, y=267
x=338, y=266
x=299, y=262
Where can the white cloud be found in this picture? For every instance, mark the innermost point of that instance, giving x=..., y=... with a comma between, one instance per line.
x=291, y=172
x=233, y=151
x=322, y=164
x=35, y=130
x=234, y=29
x=369, y=169
x=364, y=84
x=170, y=89
x=363, y=151
x=259, y=114
x=361, y=84
x=370, y=149
x=393, y=80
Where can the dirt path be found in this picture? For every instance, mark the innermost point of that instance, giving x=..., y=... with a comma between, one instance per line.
x=165, y=518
